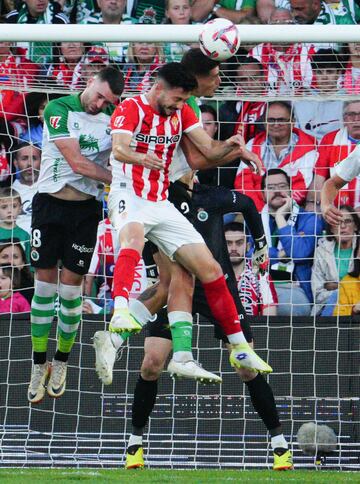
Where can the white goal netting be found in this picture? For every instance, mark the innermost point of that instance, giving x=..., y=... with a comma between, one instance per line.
x=315, y=358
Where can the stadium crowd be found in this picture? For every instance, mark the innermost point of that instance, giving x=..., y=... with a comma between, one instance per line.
x=299, y=142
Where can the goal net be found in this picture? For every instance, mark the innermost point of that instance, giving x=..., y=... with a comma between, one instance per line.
x=303, y=96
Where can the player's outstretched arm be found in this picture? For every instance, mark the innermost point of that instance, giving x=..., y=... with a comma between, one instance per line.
x=219, y=153
x=70, y=149
x=124, y=153
x=328, y=194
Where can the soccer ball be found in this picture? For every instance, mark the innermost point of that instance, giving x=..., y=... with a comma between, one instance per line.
x=219, y=39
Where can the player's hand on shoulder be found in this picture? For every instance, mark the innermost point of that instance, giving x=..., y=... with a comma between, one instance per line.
x=151, y=161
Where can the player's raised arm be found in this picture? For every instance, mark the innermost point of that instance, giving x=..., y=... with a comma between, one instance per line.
x=124, y=153
x=70, y=149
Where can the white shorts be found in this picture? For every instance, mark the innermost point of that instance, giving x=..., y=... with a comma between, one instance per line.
x=163, y=224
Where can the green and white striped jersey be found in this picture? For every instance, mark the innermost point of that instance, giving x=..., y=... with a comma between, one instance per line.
x=65, y=118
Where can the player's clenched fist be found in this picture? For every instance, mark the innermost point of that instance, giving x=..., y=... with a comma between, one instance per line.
x=151, y=161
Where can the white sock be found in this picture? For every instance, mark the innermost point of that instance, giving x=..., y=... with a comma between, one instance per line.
x=279, y=441
x=139, y=311
x=236, y=338
x=121, y=302
x=116, y=340
x=135, y=440
x=182, y=356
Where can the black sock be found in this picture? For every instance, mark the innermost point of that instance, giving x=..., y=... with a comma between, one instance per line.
x=143, y=404
x=263, y=401
x=39, y=358
x=60, y=356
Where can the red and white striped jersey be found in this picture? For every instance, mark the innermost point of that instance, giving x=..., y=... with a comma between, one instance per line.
x=153, y=133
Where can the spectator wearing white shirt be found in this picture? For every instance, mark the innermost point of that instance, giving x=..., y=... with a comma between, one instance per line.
x=320, y=117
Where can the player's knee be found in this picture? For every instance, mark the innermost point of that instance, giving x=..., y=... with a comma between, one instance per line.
x=152, y=366
x=213, y=270
x=245, y=374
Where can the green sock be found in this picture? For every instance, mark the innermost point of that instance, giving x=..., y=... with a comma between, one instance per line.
x=181, y=330
x=42, y=315
x=69, y=316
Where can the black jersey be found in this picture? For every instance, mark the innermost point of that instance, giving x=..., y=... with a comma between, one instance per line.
x=205, y=210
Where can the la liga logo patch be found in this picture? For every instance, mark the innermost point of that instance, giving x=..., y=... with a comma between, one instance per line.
x=55, y=121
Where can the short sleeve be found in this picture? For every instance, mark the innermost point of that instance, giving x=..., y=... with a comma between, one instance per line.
x=125, y=118
x=189, y=119
x=349, y=168
x=56, y=119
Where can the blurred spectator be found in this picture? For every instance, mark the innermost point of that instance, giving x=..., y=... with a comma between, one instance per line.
x=6, y=6
x=281, y=16
x=143, y=59
x=141, y=8
x=35, y=103
x=16, y=72
x=257, y=292
x=320, y=117
x=12, y=253
x=77, y=10
x=234, y=10
x=67, y=64
x=281, y=146
x=245, y=117
x=38, y=12
x=349, y=290
x=287, y=66
x=112, y=12
x=334, y=147
x=99, y=280
x=209, y=120
x=11, y=301
x=334, y=259
x=320, y=12
x=26, y=159
x=266, y=8
x=350, y=80
x=95, y=59
x=177, y=12
x=10, y=209
x=291, y=234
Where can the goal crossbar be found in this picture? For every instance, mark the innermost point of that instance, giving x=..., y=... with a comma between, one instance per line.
x=177, y=33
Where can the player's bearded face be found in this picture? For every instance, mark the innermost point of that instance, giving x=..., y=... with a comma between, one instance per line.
x=170, y=100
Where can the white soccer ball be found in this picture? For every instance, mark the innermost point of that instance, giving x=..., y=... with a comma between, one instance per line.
x=219, y=39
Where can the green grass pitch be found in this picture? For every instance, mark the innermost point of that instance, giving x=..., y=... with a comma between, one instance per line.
x=62, y=476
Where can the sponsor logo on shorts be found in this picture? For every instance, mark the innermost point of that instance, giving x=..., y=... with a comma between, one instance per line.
x=83, y=249
x=81, y=263
x=34, y=255
x=55, y=121
x=159, y=140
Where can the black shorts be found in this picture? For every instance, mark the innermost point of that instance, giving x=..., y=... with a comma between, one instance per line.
x=63, y=230
x=160, y=327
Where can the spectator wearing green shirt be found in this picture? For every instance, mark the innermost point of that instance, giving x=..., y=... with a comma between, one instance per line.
x=320, y=12
x=233, y=10
x=177, y=12
x=10, y=209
